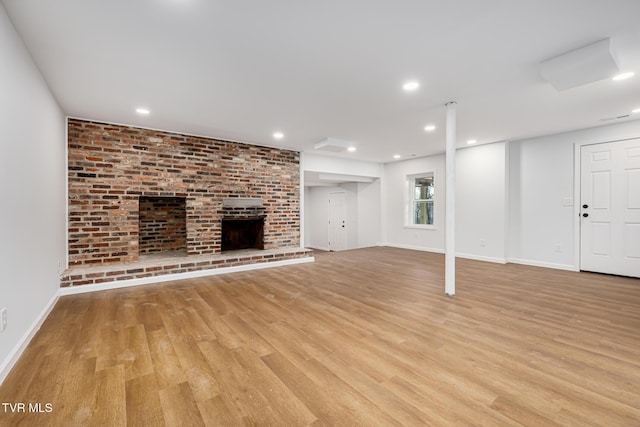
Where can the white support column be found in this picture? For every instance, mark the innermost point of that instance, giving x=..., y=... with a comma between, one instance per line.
x=450, y=205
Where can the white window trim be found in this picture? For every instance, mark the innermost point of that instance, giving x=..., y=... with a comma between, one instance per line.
x=408, y=202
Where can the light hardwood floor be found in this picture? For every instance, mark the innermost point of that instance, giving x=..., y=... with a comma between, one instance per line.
x=362, y=337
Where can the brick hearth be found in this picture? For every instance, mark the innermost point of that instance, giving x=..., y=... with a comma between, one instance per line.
x=157, y=265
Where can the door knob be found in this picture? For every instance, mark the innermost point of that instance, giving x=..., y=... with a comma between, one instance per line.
x=585, y=206
x=585, y=215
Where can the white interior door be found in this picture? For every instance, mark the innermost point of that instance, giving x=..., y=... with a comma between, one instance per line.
x=610, y=208
x=337, y=222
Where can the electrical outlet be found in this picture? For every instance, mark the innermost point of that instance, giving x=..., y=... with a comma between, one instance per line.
x=558, y=247
x=3, y=321
x=483, y=243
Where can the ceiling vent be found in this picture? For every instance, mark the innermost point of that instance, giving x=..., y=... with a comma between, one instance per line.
x=582, y=66
x=332, y=145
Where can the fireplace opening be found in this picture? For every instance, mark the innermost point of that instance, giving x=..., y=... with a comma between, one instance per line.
x=242, y=233
x=162, y=227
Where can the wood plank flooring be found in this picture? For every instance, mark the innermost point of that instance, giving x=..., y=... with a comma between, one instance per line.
x=364, y=337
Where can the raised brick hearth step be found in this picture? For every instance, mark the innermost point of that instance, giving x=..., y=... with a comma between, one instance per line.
x=159, y=265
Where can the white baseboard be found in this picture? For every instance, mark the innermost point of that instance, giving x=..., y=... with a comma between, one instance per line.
x=179, y=276
x=413, y=248
x=543, y=264
x=482, y=258
x=320, y=248
x=14, y=356
x=441, y=251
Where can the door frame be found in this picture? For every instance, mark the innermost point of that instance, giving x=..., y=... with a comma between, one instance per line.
x=577, y=165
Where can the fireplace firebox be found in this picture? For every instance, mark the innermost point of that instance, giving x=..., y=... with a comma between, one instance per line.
x=242, y=233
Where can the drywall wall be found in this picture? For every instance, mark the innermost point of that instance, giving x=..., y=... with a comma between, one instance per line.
x=32, y=184
x=316, y=215
x=369, y=214
x=481, y=209
x=362, y=209
x=395, y=209
x=337, y=165
x=306, y=207
x=364, y=201
x=542, y=205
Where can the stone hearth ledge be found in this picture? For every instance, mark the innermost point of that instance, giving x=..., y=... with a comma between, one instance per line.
x=158, y=268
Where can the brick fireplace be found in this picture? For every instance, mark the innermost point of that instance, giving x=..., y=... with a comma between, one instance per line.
x=134, y=192
x=242, y=224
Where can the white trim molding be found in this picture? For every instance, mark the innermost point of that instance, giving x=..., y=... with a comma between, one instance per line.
x=567, y=267
x=14, y=355
x=494, y=260
x=413, y=248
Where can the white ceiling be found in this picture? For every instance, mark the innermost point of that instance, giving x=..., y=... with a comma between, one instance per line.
x=243, y=69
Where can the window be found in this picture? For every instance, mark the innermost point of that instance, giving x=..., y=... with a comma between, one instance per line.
x=420, y=200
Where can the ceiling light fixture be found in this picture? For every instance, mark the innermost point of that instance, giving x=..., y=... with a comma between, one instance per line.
x=410, y=86
x=396, y=156
x=351, y=149
x=278, y=135
x=637, y=110
x=623, y=76
x=430, y=128
x=143, y=111
x=471, y=141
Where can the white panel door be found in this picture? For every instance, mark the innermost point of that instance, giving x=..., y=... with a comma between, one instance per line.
x=337, y=222
x=610, y=208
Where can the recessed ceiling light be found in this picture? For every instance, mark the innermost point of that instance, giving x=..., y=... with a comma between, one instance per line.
x=410, y=86
x=351, y=149
x=471, y=141
x=278, y=135
x=142, y=111
x=397, y=156
x=430, y=128
x=624, y=76
x=637, y=110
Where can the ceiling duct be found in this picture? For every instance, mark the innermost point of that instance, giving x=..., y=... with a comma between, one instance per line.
x=581, y=66
x=332, y=145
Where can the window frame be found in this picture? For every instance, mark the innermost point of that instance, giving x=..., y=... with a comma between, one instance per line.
x=410, y=200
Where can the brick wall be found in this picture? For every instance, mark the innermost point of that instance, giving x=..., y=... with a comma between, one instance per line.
x=111, y=166
x=162, y=225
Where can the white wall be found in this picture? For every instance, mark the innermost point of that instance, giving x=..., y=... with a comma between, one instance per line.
x=33, y=188
x=337, y=165
x=395, y=200
x=541, y=176
x=481, y=202
x=363, y=214
x=369, y=214
x=364, y=205
x=306, y=207
x=317, y=215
